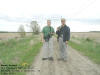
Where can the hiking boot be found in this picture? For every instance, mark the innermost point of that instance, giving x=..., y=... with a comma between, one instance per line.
x=51, y=58
x=60, y=59
x=65, y=60
x=44, y=58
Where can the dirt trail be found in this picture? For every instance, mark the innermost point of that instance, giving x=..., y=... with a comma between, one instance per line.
x=76, y=64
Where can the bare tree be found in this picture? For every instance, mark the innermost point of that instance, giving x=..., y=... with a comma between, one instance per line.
x=35, y=27
x=21, y=30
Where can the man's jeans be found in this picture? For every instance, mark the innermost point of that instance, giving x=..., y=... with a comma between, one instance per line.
x=62, y=49
x=48, y=48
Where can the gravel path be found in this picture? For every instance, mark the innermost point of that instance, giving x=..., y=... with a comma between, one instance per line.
x=77, y=64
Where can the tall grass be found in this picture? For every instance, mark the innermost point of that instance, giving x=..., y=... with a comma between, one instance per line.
x=20, y=51
x=88, y=48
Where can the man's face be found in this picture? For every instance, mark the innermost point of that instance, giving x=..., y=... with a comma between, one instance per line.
x=48, y=22
x=63, y=21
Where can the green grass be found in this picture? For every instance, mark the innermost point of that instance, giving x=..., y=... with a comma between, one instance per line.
x=88, y=48
x=19, y=51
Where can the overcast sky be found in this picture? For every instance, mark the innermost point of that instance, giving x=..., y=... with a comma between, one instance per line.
x=16, y=12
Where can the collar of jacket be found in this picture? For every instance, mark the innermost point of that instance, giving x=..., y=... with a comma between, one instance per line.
x=63, y=25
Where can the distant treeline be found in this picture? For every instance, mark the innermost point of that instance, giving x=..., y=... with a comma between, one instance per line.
x=12, y=32
x=94, y=31
x=3, y=31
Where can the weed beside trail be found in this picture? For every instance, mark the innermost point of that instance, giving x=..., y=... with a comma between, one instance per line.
x=88, y=47
x=19, y=52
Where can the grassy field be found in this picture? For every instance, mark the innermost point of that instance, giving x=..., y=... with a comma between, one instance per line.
x=87, y=45
x=19, y=51
x=10, y=35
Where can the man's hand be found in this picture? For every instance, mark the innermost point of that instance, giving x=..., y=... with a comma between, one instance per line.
x=43, y=40
x=52, y=33
x=66, y=42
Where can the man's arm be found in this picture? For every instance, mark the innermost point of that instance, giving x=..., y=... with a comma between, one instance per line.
x=42, y=38
x=68, y=35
